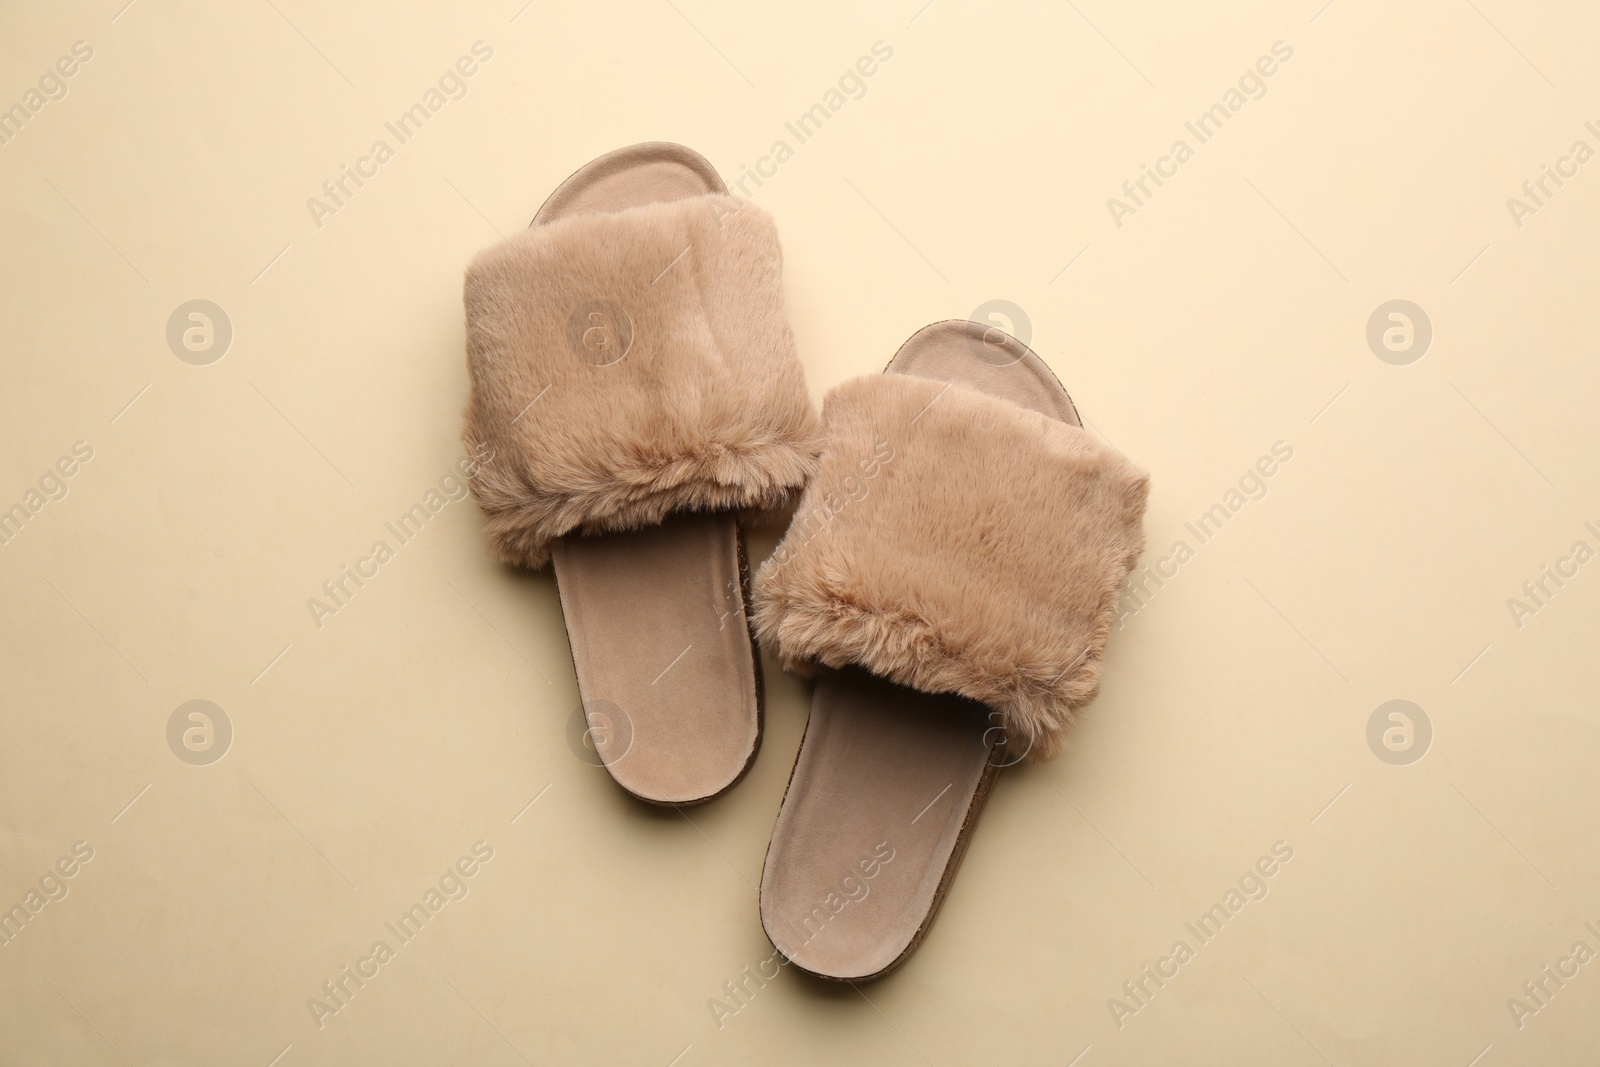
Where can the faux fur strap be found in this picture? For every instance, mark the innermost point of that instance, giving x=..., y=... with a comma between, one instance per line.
x=953, y=542
x=628, y=365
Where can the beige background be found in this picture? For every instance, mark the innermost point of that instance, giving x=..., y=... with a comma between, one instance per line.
x=1226, y=315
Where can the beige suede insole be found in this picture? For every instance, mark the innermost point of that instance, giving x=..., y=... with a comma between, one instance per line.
x=889, y=781
x=657, y=617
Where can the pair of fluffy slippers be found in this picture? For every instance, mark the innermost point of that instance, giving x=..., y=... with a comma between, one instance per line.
x=950, y=576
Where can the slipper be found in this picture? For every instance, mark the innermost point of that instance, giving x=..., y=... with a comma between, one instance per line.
x=950, y=579
x=634, y=385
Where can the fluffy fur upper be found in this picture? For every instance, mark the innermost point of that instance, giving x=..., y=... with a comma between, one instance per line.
x=706, y=408
x=957, y=543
